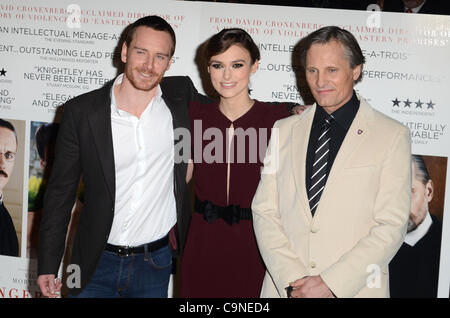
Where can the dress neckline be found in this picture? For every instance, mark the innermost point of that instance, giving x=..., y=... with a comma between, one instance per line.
x=242, y=118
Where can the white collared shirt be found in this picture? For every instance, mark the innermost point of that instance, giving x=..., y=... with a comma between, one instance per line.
x=415, y=236
x=145, y=208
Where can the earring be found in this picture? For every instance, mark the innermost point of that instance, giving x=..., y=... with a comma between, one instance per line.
x=249, y=87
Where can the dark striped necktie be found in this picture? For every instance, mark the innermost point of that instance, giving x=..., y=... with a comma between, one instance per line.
x=319, y=170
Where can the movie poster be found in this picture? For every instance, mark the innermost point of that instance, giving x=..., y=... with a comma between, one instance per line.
x=52, y=51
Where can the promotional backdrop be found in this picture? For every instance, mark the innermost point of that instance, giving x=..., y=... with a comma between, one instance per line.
x=53, y=50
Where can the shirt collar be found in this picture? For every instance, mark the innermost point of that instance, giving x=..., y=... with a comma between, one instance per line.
x=157, y=98
x=415, y=236
x=1, y=198
x=343, y=116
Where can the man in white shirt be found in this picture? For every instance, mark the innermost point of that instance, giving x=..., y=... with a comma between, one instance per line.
x=120, y=138
x=414, y=270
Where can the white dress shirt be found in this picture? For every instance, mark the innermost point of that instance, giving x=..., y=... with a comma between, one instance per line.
x=145, y=208
x=415, y=236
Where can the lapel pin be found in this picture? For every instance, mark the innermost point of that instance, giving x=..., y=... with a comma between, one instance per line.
x=360, y=131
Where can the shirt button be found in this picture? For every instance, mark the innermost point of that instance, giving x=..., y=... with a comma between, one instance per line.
x=313, y=264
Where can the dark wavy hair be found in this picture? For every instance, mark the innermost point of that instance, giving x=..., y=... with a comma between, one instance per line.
x=46, y=137
x=223, y=40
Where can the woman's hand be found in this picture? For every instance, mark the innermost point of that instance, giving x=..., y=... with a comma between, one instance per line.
x=298, y=109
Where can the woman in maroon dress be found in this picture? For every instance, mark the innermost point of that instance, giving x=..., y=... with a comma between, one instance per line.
x=221, y=258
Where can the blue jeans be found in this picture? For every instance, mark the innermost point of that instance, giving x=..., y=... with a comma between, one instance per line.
x=135, y=276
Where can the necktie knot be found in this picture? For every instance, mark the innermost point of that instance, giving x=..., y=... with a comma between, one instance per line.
x=326, y=123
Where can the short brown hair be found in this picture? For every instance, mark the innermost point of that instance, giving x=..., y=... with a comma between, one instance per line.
x=154, y=22
x=222, y=41
x=6, y=124
x=352, y=50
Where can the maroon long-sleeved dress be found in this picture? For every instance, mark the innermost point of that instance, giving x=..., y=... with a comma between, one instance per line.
x=222, y=260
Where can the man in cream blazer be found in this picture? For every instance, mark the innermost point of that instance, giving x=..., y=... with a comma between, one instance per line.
x=342, y=249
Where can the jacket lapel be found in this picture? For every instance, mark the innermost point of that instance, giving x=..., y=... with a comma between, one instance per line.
x=356, y=135
x=299, y=145
x=100, y=124
x=172, y=101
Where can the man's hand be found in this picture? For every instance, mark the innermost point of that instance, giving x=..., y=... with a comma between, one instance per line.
x=49, y=286
x=310, y=287
x=190, y=170
x=298, y=109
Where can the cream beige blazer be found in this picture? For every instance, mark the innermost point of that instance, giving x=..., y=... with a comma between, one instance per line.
x=361, y=219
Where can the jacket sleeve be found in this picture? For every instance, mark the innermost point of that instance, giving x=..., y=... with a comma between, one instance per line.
x=60, y=196
x=194, y=95
x=288, y=105
x=282, y=262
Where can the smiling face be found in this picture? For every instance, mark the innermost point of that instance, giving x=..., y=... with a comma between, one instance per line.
x=147, y=58
x=8, y=149
x=230, y=72
x=329, y=75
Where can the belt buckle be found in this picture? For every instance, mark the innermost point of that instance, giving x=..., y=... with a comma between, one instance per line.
x=124, y=250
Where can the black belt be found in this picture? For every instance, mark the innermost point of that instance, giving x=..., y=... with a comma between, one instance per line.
x=230, y=214
x=129, y=250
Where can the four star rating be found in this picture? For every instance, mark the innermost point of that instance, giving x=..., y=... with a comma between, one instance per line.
x=408, y=104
